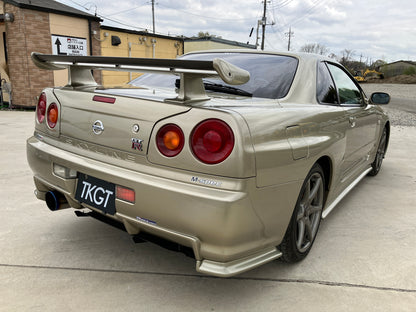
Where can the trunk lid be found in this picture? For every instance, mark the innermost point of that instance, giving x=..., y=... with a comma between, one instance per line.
x=124, y=125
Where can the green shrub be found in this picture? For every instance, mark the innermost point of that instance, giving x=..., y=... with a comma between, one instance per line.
x=410, y=71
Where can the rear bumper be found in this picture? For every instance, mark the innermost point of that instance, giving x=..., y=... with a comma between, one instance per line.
x=220, y=225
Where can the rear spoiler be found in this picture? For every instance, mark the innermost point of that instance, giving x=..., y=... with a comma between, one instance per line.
x=191, y=71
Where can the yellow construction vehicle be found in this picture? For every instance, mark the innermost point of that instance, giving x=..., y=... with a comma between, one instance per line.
x=368, y=74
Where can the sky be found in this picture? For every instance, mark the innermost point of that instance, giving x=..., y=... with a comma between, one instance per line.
x=371, y=29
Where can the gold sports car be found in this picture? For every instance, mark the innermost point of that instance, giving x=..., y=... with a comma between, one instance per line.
x=232, y=157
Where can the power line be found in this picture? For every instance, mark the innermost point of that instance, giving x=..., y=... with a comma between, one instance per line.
x=309, y=12
x=207, y=17
x=282, y=4
x=110, y=19
x=129, y=10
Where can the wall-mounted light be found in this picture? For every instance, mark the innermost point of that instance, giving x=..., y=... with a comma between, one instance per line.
x=7, y=17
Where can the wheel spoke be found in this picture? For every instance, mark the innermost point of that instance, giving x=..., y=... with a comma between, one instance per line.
x=315, y=190
x=306, y=195
x=383, y=140
x=380, y=151
x=301, y=234
x=308, y=228
x=300, y=215
x=314, y=209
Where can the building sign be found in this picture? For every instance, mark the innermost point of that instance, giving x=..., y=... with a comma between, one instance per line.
x=62, y=45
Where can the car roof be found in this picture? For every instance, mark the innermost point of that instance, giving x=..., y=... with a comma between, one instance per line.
x=300, y=55
x=303, y=89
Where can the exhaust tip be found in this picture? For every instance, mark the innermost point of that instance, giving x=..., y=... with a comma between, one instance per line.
x=55, y=200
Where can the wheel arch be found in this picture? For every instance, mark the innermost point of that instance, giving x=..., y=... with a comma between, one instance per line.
x=387, y=126
x=326, y=164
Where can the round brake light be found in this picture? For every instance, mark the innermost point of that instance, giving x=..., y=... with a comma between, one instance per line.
x=41, y=109
x=170, y=140
x=212, y=141
x=52, y=115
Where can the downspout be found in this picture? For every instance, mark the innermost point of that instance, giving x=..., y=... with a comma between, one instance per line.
x=90, y=35
x=154, y=47
x=90, y=39
x=129, y=44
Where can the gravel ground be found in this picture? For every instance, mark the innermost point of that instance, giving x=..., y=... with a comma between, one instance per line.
x=402, y=108
x=402, y=91
x=401, y=118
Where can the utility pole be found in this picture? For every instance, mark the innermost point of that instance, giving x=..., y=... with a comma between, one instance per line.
x=289, y=34
x=153, y=15
x=264, y=24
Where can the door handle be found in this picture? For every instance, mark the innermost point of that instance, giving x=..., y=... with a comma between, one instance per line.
x=352, y=122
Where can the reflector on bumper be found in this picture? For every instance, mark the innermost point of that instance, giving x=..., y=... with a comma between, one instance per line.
x=64, y=172
x=125, y=194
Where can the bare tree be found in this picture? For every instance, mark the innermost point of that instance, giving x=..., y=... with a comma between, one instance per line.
x=316, y=48
x=346, y=57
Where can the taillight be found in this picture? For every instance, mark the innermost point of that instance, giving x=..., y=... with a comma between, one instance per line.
x=212, y=141
x=52, y=115
x=170, y=140
x=41, y=109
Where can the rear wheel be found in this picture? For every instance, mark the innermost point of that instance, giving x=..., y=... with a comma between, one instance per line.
x=381, y=150
x=306, y=217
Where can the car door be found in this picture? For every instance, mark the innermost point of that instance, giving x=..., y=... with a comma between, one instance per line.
x=362, y=121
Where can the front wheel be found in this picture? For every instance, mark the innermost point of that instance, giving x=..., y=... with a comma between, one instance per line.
x=381, y=150
x=306, y=217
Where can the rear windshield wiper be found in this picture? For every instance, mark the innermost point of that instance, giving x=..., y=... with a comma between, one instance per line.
x=226, y=89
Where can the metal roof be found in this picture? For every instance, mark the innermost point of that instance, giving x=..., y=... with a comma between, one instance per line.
x=139, y=33
x=221, y=40
x=51, y=6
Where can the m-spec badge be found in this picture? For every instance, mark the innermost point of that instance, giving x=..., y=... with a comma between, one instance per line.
x=206, y=181
x=98, y=127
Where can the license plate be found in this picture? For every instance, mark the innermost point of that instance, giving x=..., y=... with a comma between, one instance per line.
x=96, y=193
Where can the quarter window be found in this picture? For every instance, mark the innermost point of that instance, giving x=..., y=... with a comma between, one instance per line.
x=325, y=87
x=347, y=89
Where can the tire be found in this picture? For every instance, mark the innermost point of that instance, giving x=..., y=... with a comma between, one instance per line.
x=381, y=151
x=306, y=217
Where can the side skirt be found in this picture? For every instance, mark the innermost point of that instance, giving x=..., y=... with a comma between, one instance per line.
x=326, y=212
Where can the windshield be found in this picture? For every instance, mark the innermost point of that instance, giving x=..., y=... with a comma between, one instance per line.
x=270, y=75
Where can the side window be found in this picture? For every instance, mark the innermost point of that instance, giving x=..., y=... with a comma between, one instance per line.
x=347, y=90
x=325, y=88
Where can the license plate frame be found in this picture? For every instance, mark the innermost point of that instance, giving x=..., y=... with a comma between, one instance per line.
x=96, y=193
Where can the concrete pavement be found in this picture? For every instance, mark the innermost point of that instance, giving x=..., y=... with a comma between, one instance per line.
x=364, y=258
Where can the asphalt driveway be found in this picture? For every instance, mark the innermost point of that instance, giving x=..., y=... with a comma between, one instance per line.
x=363, y=258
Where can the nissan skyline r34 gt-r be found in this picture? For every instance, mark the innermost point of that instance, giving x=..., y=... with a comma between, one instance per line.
x=235, y=156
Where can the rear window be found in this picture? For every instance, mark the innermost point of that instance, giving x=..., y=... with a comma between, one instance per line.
x=270, y=75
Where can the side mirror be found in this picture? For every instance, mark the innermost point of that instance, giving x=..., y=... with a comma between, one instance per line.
x=380, y=98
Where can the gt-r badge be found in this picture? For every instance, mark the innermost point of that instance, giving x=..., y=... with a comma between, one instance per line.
x=137, y=144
